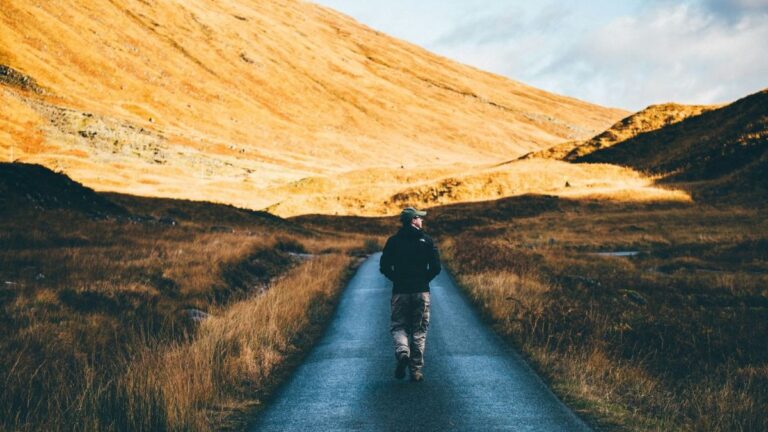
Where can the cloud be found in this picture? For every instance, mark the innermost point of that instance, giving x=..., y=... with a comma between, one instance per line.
x=681, y=52
x=515, y=42
x=696, y=52
x=509, y=24
x=736, y=9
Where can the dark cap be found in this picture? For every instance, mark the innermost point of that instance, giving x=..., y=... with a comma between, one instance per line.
x=409, y=213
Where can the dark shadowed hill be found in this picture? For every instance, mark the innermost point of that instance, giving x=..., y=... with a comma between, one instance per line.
x=725, y=147
x=651, y=118
x=24, y=186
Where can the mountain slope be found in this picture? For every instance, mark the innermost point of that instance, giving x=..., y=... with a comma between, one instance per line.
x=703, y=147
x=726, y=147
x=649, y=119
x=217, y=100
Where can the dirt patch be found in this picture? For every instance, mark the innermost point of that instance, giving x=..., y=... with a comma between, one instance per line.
x=14, y=78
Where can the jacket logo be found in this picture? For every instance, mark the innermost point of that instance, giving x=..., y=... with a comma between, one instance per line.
x=423, y=240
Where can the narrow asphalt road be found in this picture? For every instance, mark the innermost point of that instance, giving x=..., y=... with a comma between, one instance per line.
x=473, y=380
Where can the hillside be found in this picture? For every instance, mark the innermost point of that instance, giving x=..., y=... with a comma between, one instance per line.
x=387, y=191
x=726, y=147
x=34, y=187
x=218, y=100
x=651, y=118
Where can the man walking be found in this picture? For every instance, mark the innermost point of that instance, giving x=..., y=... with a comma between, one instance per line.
x=410, y=260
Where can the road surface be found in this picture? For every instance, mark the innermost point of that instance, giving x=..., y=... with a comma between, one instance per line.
x=474, y=381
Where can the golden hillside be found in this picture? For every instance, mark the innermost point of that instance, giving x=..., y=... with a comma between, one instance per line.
x=649, y=119
x=220, y=100
x=386, y=191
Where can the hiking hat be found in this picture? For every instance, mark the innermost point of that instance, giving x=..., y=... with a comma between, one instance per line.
x=409, y=213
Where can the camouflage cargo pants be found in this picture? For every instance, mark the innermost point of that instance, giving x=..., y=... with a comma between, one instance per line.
x=409, y=324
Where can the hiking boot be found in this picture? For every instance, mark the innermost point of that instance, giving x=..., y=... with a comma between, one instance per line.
x=417, y=376
x=401, y=365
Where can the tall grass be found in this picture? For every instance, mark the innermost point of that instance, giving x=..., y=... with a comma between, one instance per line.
x=96, y=333
x=227, y=364
x=670, y=340
x=234, y=356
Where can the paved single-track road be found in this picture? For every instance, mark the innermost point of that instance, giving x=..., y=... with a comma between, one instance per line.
x=474, y=381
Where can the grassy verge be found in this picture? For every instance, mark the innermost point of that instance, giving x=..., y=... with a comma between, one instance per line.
x=235, y=357
x=97, y=313
x=669, y=339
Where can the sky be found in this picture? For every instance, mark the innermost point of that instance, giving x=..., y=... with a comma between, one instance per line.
x=626, y=54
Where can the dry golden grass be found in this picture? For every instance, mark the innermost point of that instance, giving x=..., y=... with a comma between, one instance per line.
x=387, y=191
x=218, y=100
x=667, y=340
x=235, y=355
x=96, y=327
x=221, y=371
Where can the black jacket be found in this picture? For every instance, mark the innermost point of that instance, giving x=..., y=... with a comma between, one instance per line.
x=410, y=260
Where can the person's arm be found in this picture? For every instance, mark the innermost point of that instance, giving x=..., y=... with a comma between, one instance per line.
x=434, y=262
x=386, y=266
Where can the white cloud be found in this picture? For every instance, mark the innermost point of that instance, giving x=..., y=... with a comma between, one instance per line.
x=672, y=52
